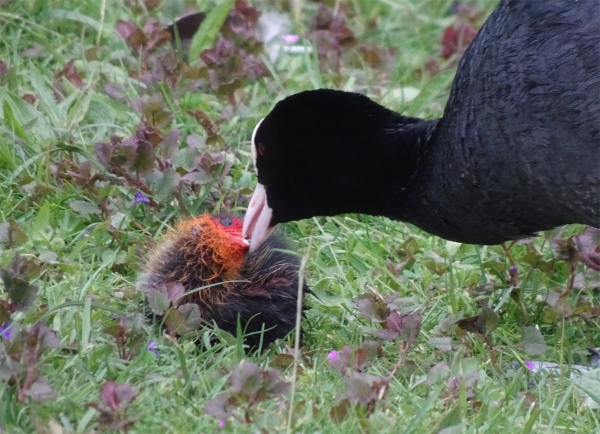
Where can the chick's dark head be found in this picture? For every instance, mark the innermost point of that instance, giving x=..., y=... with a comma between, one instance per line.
x=208, y=252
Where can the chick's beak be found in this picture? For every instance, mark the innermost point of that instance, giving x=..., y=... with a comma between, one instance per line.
x=239, y=241
x=257, y=222
x=236, y=238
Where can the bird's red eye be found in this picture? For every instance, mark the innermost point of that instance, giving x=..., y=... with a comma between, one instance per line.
x=260, y=148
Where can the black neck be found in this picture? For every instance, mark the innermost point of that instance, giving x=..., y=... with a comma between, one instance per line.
x=409, y=149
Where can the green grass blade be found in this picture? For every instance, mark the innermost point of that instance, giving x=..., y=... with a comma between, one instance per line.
x=206, y=36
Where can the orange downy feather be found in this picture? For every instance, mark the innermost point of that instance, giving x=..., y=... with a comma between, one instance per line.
x=226, y=256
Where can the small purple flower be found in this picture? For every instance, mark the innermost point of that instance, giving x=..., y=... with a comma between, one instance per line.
x=332, y=355
x=222, y=423
x=152, y=348
x=530, y=365
x=140, y=198
x=455, y=7
x=5, y=331
x=290, y=39
x=512, y=270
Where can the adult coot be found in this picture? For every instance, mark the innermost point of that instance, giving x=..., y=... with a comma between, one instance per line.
x=516, y=151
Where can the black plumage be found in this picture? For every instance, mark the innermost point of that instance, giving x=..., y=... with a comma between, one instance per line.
x=261, y=288
x=517, y=150
x=184, y=29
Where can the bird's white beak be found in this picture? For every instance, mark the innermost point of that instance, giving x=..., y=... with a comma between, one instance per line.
x=258, y=219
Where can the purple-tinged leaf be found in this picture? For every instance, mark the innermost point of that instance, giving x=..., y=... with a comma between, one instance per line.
x=331, y=35
x=170, y=144
x=11, y=234
x=197, y=142
x=386, y=335
x=467, y=381
x=348, y=360
x=145, y=157
x=39, y=390
x=115, y=396
x=246, y=378
x=397, y=269
x=443, y=343
x=197, y=177
x=175, y=322
x=115, y=91
x=485, y=322
x=132, y=322
x=588, y=240
x=341, y=360
x=175, y=291
x=21, y=293
x=364, y=389
x=115, y=154
x=591, y=259
x=71, y=74
x=211, y=128
x=48, y=257
x=155, y=112
x=533, y=341
x=372, y=307
x=220, y=406
x=45, y=338
x=133, y=36
x=10, y=370
x=157, y=301
x=340, y=411
x=165, y=184
x=84, y=208
x=372, y=349
x=456, y=39
x=282, y=361
x=191, y=313
x=565, y=249
x=407, y=326
x=438, y=372
x=257, y=384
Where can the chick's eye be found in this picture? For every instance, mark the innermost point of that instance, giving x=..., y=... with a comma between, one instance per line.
x=260, y=148
x=226, y=221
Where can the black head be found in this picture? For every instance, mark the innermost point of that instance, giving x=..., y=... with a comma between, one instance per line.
x=321, y=153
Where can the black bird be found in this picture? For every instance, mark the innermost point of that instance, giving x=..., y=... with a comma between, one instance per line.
x=517, y=150
x=208, y=252
x=185, y=28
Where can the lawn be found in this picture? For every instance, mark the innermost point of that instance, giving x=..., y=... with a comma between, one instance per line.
x=107, y=137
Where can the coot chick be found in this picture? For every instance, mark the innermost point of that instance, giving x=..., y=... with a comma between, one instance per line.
x=517, y=150
x=261, y=287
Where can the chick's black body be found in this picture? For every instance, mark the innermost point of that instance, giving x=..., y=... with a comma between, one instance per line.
x=517, y=150
x=261, y=288
x=269, y=295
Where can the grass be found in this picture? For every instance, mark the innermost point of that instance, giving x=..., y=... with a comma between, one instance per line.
x=89, y=253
